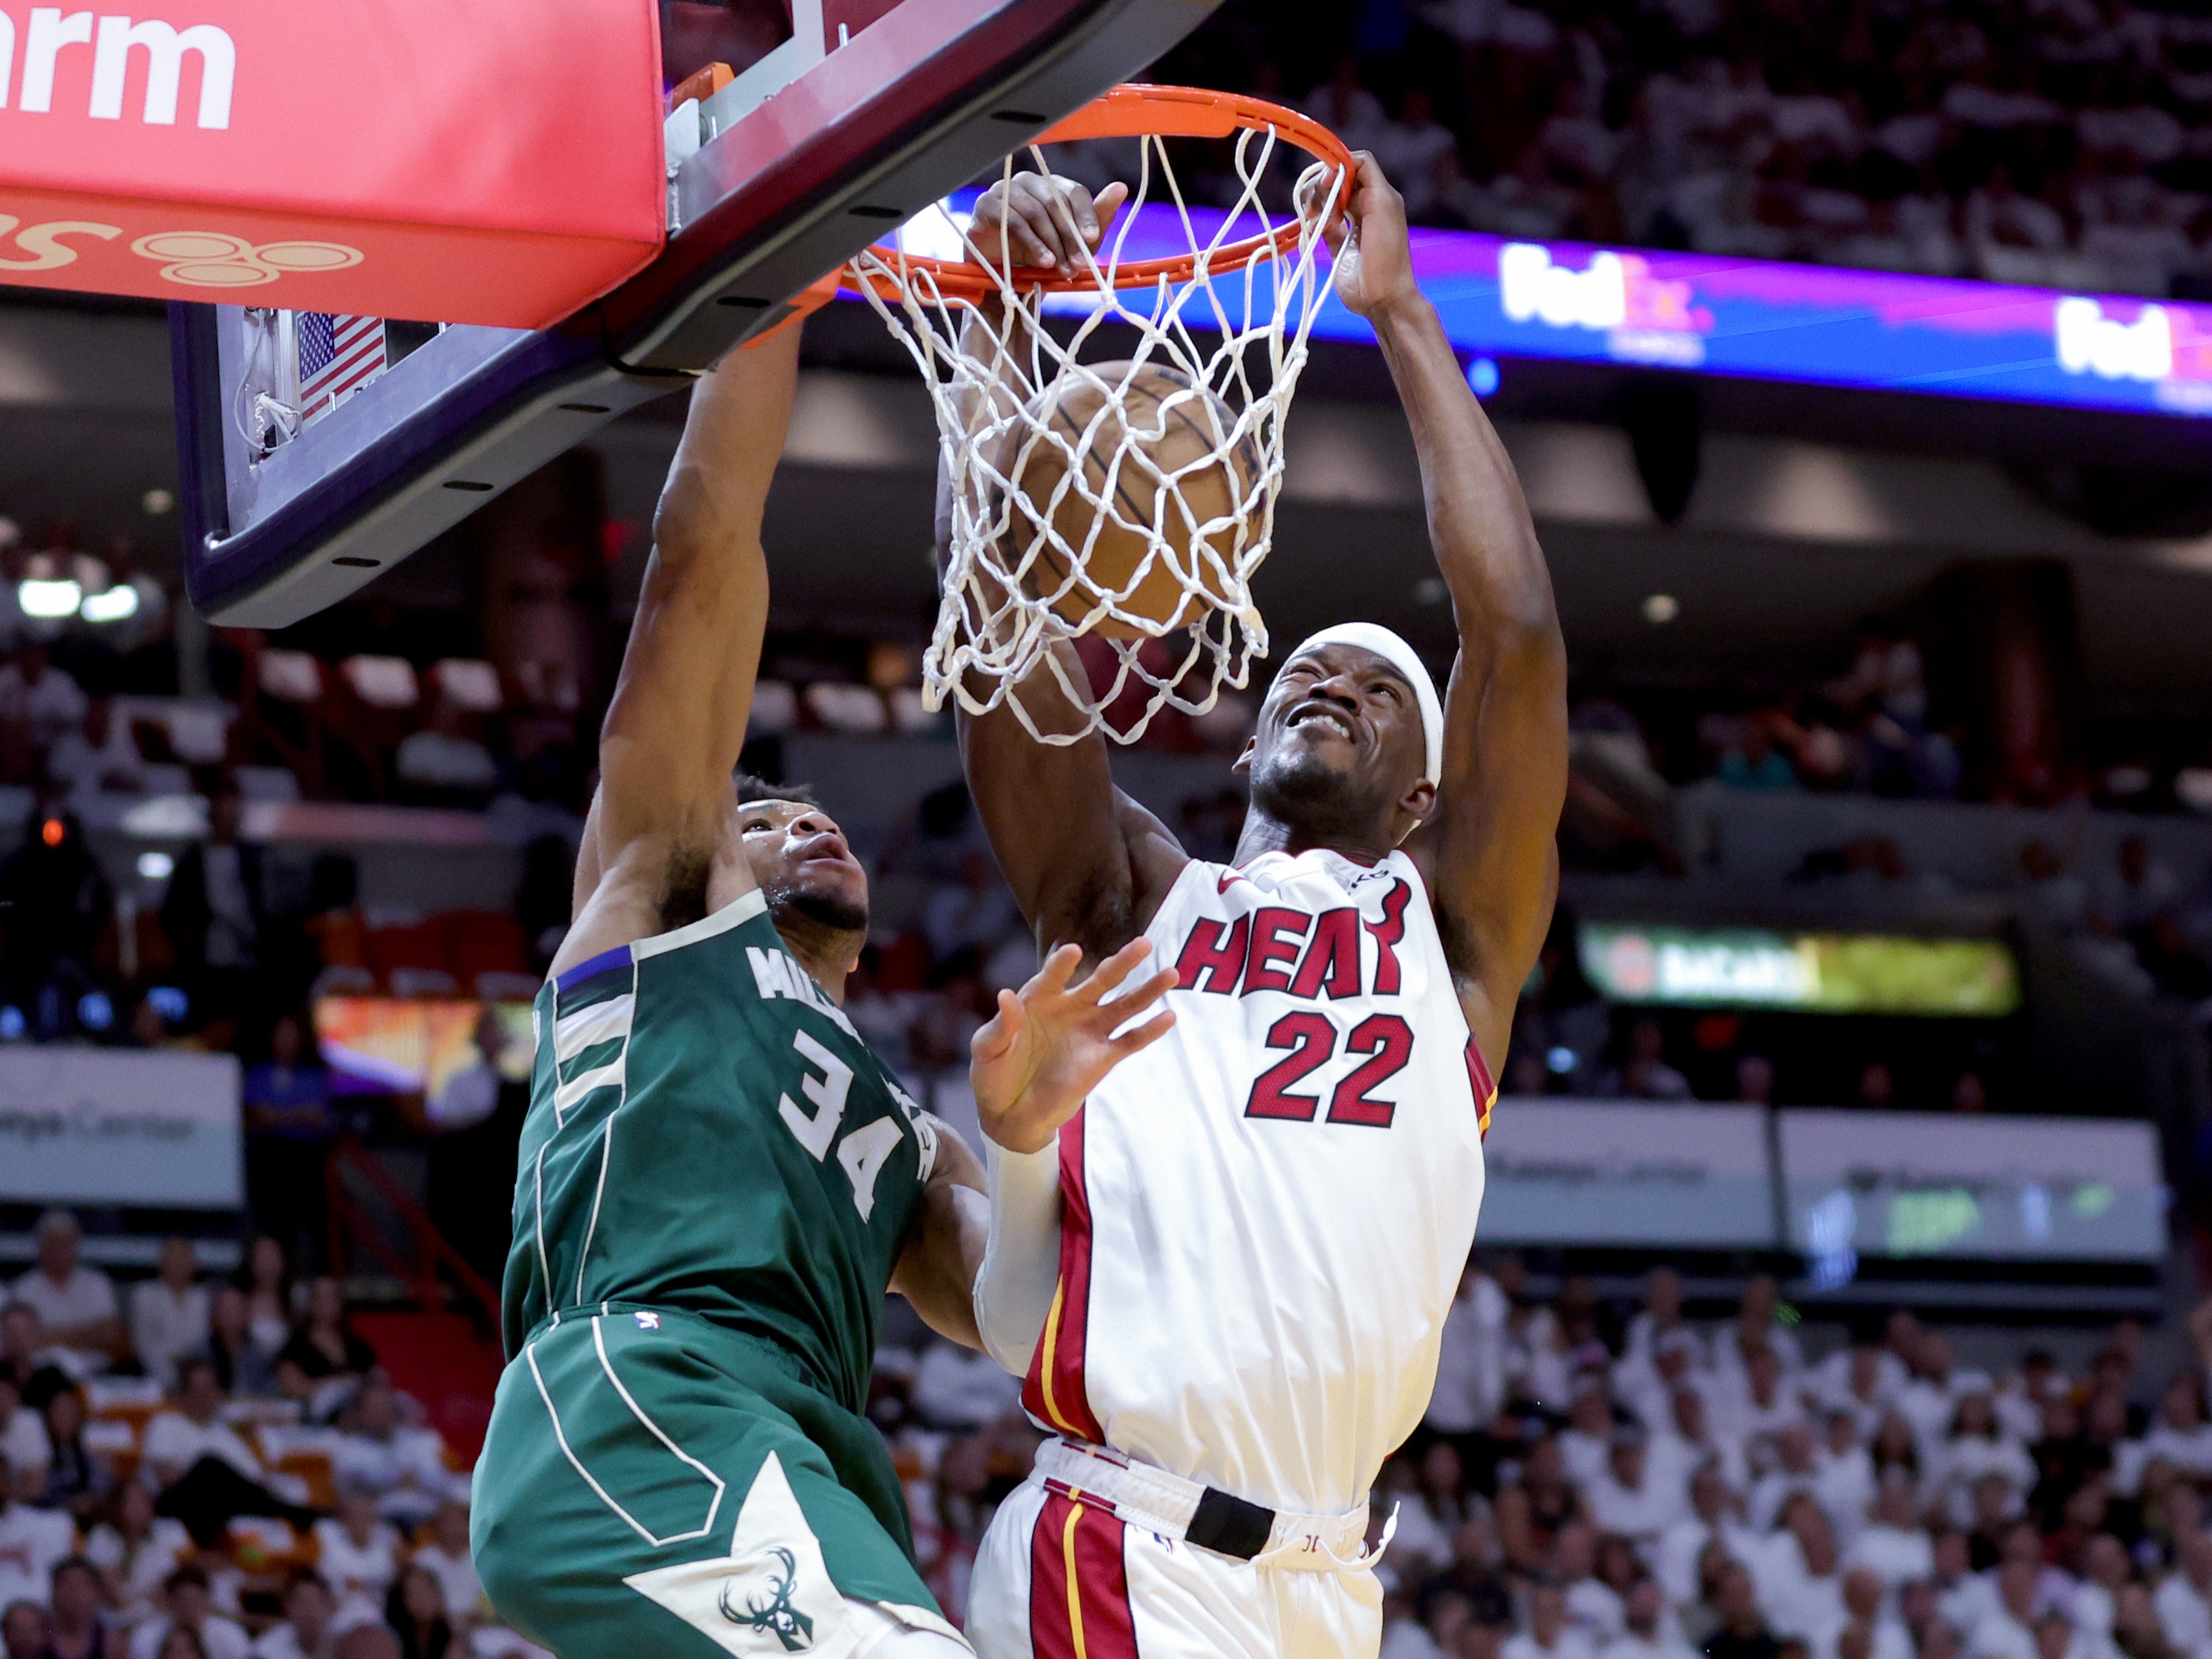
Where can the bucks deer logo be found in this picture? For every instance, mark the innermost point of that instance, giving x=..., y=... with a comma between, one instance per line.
x=772, y=1612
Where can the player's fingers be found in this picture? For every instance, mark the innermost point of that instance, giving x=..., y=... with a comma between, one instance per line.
x=1016, y=241
x=1116, y=968
x=1131, y=1042
x=1051, y=979
x=1034, y=201
x=1107, y=208
x=995, y=1036
x=1135, y=1000
x=1073, y=222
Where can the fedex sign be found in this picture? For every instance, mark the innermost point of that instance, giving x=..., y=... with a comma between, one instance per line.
x=49, y=32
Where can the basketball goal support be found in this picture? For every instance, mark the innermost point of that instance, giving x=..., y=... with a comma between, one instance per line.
x=793, y=169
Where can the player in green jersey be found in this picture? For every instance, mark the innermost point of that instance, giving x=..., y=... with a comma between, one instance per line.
x=718, y=1180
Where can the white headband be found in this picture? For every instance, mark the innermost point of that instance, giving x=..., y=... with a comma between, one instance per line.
x=1372, y=637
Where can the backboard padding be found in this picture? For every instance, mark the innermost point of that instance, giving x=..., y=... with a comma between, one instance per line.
x=887, y=121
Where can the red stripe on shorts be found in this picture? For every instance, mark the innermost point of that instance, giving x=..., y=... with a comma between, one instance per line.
x=1054, y=1392
x=1078, y=1584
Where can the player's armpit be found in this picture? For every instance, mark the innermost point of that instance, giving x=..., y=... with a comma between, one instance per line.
x=947, y=1241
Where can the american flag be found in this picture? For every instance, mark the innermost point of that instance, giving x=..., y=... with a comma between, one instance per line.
x=336, y=355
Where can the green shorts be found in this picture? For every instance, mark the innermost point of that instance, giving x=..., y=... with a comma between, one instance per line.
x=654, y=1484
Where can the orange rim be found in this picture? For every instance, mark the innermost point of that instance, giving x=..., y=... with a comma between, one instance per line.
x=1136, y=110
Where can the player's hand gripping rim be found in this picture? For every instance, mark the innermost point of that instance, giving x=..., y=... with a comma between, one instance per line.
x=1040, y=1056
x=1374, y=257
x=1040, y=222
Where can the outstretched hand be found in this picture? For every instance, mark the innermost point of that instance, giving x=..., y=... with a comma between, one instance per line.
x=1375, y=261
x=1043, y=221
x=1047, y=1049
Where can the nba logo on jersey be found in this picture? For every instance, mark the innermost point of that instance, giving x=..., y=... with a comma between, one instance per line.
x=649, y=1321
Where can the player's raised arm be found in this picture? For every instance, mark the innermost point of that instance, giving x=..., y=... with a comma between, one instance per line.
x=677, y=721
x=1490, y=850
x=1085, y=863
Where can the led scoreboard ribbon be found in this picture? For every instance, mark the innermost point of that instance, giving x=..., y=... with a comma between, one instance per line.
x=1757, y=319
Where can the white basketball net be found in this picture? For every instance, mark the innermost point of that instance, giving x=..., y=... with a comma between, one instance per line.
x=1015, y=586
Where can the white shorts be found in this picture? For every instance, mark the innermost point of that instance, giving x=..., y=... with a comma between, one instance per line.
x=1058, y=1578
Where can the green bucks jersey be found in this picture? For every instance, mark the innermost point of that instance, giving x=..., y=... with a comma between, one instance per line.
x=708, y=1134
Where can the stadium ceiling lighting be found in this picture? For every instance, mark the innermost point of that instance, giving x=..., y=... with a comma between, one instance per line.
x=48, y=599
x=156, y=867
x=1659, y=609
x=116, y=604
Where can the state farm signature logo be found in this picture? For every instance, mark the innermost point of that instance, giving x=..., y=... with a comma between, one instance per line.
x=190, y=258
x=207, y=259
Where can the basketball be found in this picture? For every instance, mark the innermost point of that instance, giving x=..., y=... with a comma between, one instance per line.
x=1159, y=458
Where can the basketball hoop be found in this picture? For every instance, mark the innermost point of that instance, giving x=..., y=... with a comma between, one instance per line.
x=1151, y=551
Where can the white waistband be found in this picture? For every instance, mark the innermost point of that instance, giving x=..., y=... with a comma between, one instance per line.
x=1159, y=1502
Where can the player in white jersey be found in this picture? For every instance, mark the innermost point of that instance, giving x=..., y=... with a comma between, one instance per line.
x=1226, y=1276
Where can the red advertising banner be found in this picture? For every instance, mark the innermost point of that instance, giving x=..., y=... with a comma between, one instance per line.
x=469, y=162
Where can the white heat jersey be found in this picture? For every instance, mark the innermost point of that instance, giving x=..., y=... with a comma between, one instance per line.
x=1265, y=1213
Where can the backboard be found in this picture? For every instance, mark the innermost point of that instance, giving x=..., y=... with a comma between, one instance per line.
x=871, y=112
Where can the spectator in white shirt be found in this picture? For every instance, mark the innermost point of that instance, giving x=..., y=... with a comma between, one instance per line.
x=39, y=698
x=1892, y=1544
x=136, y=1550
x=1801, y=1588
x=99, y=756
x=1963, y=1597
x=2183, y=1601
x=308, y=1631
x=1975, y=1451
x=186, y=1602
x=2180, y=1436
x=1593, y=1606
x=1625, y=1498
x=24, y=1445
x=1548, y=1635
x=76, y=1304
x=2106, y=1572
x=2007, y=1631
x=1689, y=1443
x=1714, y=1516
x=206, y=1471
x=1648, y=1385
x=1846, y=1482
x=1759, y=1324
x=1420, y=1546
x=447, y=1556
x=169, y=1313
x=377, y=1452
x=1648, y=1632
x=192, y=1429
x=1885, y=1634
x=1768, y=1404
x=2022, y=1396
x=1587, y=1440
x=1793, y=1472
x=359, y=1554
x=1863, y=1380
x=32, y=1542
x=1470, y=1388
x=956, y=1388
x=1930, y=1400
x=1662, y=1317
